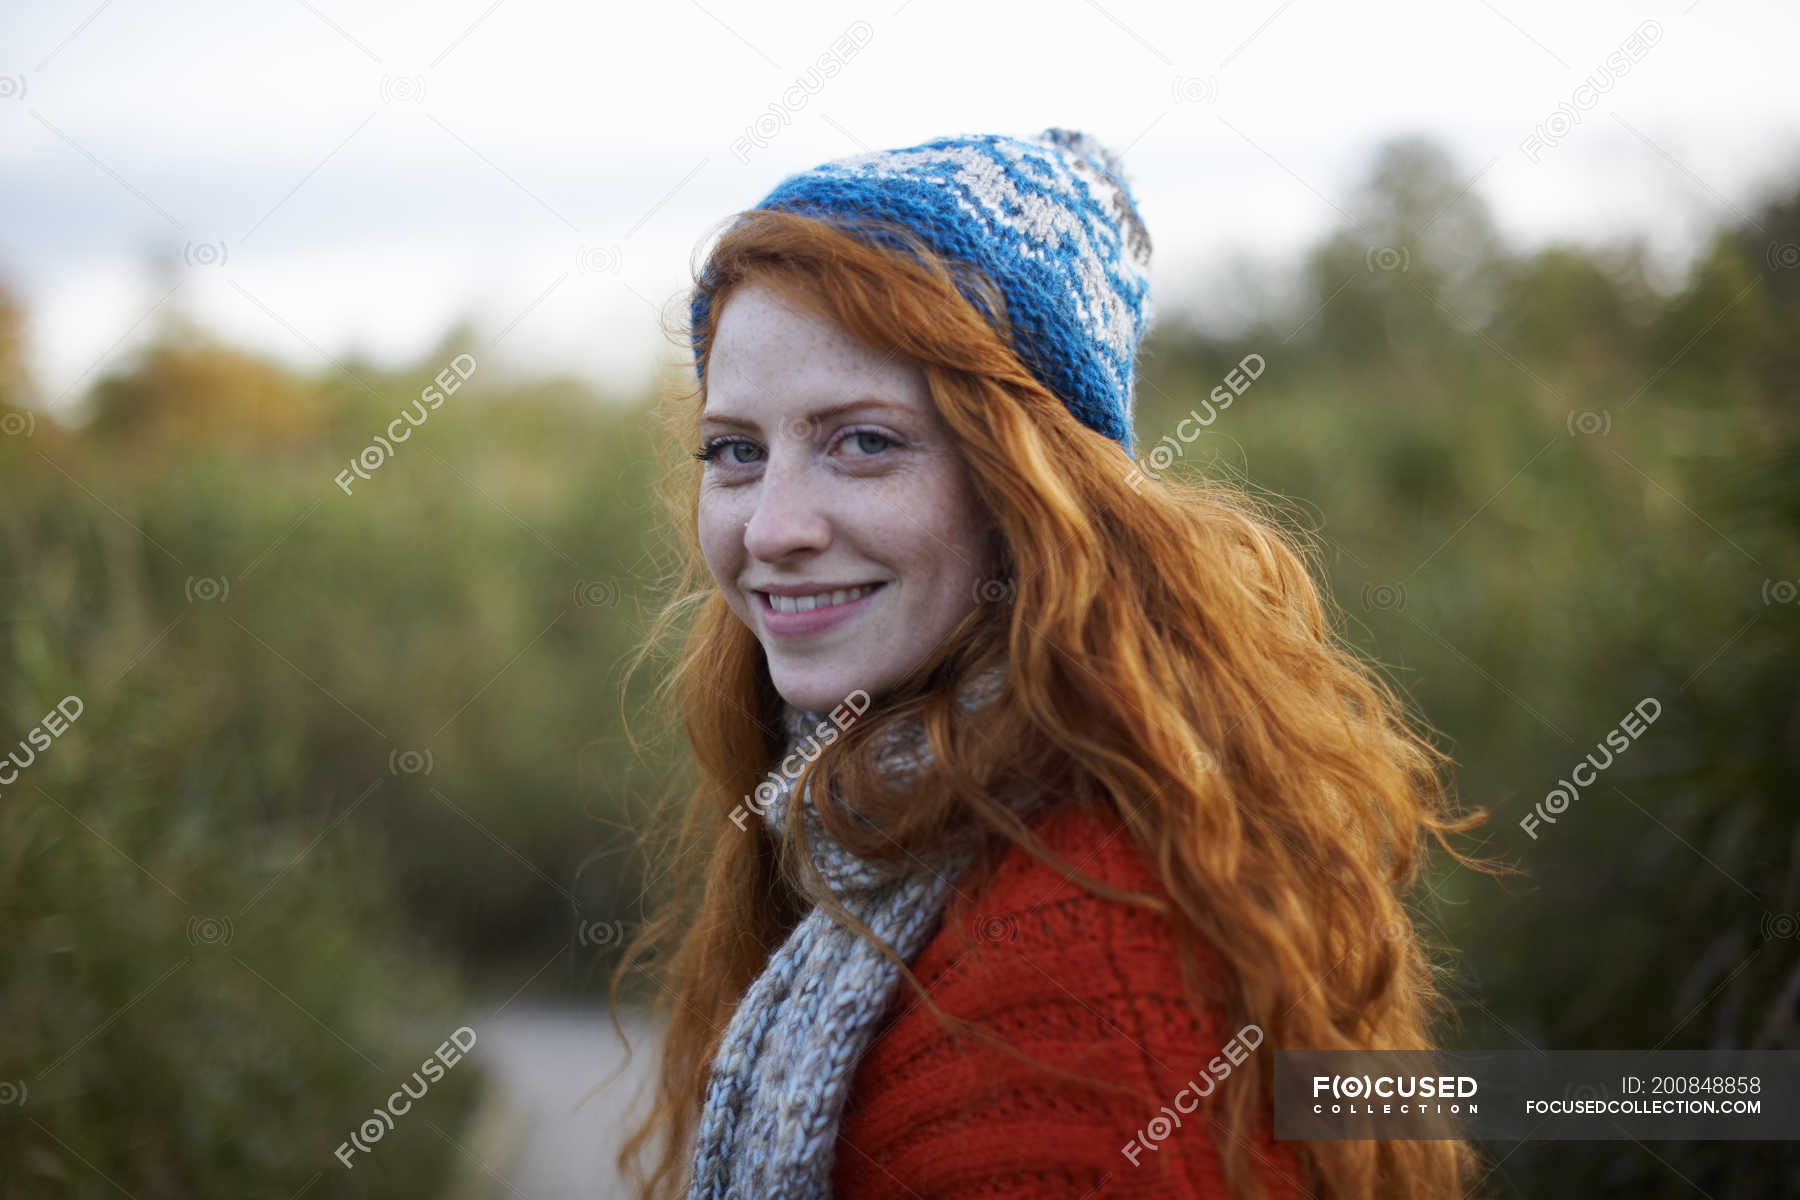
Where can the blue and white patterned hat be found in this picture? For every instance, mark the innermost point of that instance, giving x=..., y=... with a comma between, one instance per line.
x=1049, y=219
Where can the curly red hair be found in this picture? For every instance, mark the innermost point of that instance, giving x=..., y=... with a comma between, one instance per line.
x=1167, y=650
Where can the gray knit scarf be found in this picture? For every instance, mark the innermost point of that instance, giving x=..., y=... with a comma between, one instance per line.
x=783, y=1069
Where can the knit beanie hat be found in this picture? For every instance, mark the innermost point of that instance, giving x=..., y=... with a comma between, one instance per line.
x=1050, y=220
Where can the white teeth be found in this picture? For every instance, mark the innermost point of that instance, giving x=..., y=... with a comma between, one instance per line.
x=800, y=604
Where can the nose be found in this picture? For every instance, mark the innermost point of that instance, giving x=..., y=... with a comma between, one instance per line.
x=791, y=514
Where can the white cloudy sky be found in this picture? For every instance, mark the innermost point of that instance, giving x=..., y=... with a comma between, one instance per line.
x=369, y=171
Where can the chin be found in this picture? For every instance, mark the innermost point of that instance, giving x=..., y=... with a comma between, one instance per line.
x=820, y=693
x=811, y=698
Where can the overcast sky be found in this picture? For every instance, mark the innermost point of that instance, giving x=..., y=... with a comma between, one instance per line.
x=329, y=177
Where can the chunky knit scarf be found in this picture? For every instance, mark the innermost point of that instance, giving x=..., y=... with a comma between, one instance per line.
x=783, y=1069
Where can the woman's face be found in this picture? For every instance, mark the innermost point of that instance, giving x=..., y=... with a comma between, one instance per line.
x=835, y=513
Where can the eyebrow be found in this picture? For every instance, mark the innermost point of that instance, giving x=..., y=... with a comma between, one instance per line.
x=708, y=416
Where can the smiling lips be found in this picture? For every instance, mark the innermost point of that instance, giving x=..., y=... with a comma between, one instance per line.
x=800, y=604
x=798, y=616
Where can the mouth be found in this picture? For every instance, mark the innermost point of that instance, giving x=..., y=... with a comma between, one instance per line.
x=800, y=604
x=796, y=616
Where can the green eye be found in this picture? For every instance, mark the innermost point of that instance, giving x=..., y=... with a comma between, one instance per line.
x=883, y=438
x=711, y=450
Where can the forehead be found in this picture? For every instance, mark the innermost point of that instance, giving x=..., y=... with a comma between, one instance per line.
x=774, y=353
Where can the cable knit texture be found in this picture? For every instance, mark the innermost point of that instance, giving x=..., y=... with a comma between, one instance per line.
x=1081, y=982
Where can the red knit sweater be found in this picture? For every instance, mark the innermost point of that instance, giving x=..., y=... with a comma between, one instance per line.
x=1081, y=982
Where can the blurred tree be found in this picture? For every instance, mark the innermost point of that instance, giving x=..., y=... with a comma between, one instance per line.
x=1721, y=323
x=1565, y=304
x=185, y=388
x=1770, y=242
x=1417, y=255
x=13, y=382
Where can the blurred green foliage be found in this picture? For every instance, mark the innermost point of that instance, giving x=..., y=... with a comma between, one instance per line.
x=1544, y=490
x=344, y=761
x=348, y=762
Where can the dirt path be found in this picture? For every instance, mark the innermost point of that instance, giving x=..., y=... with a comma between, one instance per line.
x=530, y=1142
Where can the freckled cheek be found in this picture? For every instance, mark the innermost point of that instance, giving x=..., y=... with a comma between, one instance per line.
x=722, y=546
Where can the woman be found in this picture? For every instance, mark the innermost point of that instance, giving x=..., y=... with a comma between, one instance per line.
x=1037, y=803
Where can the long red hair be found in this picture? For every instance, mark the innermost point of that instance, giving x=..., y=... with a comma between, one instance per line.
x=1167, y=652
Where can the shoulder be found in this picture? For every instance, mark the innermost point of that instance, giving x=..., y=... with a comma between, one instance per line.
x=1082, y=983
x=1023, y=921
x=1091, y=839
